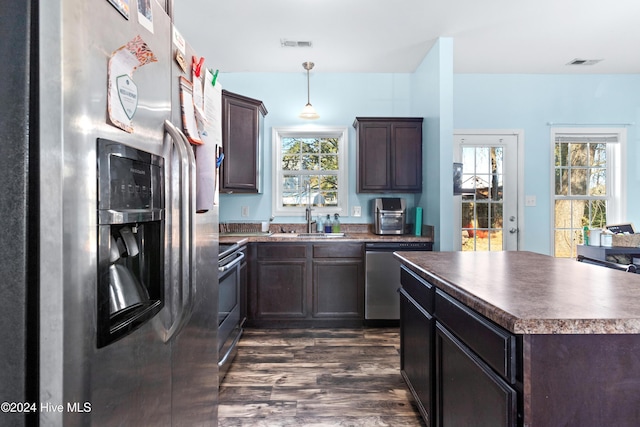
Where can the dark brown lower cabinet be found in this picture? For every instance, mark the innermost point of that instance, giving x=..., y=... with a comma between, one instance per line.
x=306, y=284
x=278, y=289
x=469, y=392
x=461, y=368
x=337, y=284
x=416, y=356
x=336, y=290
x=281, y=290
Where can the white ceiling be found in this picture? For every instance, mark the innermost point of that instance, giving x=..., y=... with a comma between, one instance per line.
x=393, y=36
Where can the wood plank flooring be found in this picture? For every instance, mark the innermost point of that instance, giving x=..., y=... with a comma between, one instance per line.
x=317, y=377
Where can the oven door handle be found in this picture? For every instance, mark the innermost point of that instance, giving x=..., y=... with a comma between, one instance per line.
x=227, y=267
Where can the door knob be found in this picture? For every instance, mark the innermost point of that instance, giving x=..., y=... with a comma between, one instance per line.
x=513, y=230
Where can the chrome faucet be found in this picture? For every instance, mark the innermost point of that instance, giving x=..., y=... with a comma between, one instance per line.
x=308, y=210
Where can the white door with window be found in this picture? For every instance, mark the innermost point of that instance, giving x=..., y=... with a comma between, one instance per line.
x=487, y=209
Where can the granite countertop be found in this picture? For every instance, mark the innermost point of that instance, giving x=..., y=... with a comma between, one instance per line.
x=349, y=237
x=353, y=233
x=529, y=293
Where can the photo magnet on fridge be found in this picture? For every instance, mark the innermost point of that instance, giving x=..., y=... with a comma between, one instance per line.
x=121, y=6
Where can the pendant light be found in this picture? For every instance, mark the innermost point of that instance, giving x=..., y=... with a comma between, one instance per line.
x=308, y=112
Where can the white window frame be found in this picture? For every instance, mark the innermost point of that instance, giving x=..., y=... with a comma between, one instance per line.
x=616, y=173
x=342, y=133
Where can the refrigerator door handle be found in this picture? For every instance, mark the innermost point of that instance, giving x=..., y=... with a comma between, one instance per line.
x=187, y=211
x=190, y=230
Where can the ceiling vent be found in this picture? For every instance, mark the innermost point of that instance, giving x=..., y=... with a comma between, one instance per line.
x=295, y=43
x=578, y=61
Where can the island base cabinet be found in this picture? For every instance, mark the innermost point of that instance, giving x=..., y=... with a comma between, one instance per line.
x=468, y=392
x=416, y=361
x=582, y=380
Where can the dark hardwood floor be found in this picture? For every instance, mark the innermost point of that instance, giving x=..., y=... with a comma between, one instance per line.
x=317, y=377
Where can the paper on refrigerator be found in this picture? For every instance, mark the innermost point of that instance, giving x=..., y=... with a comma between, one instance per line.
x=213, y=109
x=122, y=92
x=189, y=121
x=212, y=132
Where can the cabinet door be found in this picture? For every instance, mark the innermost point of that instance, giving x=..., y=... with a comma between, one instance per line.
x=416, y=356
x=280, y=289
x=406, y=156
x=338, y=289
x=468, y=392
x=389, y=154
x=374, y=151
x=241, y=136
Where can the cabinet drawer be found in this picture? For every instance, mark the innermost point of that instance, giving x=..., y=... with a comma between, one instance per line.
x=418, y=288
x=283, y=252
x=493, y=344
x=337, y=250
x=470, y=393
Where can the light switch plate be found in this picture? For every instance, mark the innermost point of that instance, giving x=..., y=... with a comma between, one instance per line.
x=529, y=200
x=356, y=211
x=244, y=211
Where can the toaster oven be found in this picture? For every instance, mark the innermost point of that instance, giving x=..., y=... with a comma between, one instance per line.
x=389, y=215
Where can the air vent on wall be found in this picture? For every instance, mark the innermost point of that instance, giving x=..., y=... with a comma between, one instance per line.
x=578, y=61
x=295, y=43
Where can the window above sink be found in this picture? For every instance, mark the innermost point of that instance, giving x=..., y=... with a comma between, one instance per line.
x=315, y=156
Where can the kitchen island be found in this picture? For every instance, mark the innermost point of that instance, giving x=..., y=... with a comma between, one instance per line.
x=532, y=340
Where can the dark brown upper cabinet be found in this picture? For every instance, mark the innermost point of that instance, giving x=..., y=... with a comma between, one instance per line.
x=389, y=154
x=242, y=133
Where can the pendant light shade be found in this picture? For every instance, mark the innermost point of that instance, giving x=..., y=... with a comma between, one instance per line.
x=308, y=112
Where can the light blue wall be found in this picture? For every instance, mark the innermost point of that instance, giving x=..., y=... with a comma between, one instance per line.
x=432, y=97
x=530, y=102
x=339, y=99
x=447, y=101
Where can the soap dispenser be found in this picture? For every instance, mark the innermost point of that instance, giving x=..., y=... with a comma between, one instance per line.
x=327, y=224
x=335, y=228
x=319, y=227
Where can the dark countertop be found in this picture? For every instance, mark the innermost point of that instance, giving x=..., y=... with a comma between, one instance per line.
x=529, y=293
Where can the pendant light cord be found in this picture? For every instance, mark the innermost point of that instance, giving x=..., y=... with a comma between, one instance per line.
x=308, y=91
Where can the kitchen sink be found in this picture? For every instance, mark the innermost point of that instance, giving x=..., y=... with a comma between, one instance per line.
x=246, y=234
x=328, y=235
x=309, y=235
x=280, y=235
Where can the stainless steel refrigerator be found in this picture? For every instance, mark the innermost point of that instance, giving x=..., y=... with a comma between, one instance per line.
x=70, y=355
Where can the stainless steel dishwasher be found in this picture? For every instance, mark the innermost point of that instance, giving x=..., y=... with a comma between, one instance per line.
x=382, y=303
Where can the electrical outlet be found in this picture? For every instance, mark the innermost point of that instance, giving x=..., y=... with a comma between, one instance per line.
x=529, y=200
x=244, y=211
x=356, y=211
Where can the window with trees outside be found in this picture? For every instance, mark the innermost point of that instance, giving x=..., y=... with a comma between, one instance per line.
x=589, y=176
x=310, y=167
